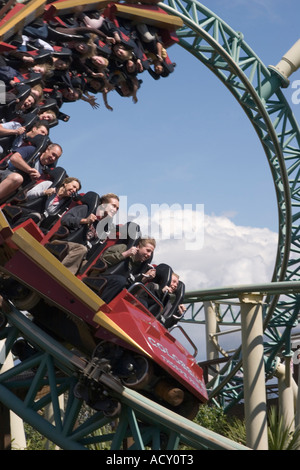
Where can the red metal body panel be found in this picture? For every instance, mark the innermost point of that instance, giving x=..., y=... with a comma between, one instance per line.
x=18, y=7
x=26, y=270
x=152, y=336
x=4, y=47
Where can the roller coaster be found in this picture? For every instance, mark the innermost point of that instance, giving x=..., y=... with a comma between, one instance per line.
x=122, y=356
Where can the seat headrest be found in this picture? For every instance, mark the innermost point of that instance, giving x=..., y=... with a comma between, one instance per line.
x=129, y=234
x=56, y=175
x=91, y=199
x=163, y=275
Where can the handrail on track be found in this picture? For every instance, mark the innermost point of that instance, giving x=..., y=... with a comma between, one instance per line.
x=272, y=288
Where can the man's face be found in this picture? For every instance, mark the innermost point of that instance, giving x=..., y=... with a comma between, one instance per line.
x=108, y=209
x=61, y=64
x=51, y=155
x=145, y=252
x=158, y=68
x=174, y=283
x=38, y=131
x=81, y=47
x=70, y=94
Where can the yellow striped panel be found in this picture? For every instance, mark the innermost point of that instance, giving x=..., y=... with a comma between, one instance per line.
x=29, y=13
x=6, y=252
x=49, y=264
x=5, y=229
x=66, y=7
x=155, y=18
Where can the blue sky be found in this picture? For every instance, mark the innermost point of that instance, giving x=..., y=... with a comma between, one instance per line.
x=187, y=141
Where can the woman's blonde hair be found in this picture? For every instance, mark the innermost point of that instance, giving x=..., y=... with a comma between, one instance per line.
x=39, y=89
x=145, y=241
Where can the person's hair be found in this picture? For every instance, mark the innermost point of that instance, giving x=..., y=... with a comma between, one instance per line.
x=50, y=111
x=103, y=66
x=33, y=96
x=145, y=241
x=39, y=124
x=176, y=275
x=67, y=60
x=106, y=197
x=128, y=55
x=48, y=68
x=52, y=144
x=69, y=179
x=91, y=48
x=79, y=92
x=39, y=89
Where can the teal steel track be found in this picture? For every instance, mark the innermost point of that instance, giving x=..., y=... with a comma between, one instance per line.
x=257, y=88
x=53, y=371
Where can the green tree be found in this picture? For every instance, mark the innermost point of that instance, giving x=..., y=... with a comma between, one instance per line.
x=212, y=418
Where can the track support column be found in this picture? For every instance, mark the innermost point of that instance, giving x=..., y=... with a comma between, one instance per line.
x=287, y=394
x=211, y=328
x=254, y=371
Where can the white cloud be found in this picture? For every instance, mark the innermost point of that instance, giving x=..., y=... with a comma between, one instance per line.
x=207, y=251
x=230, y=255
